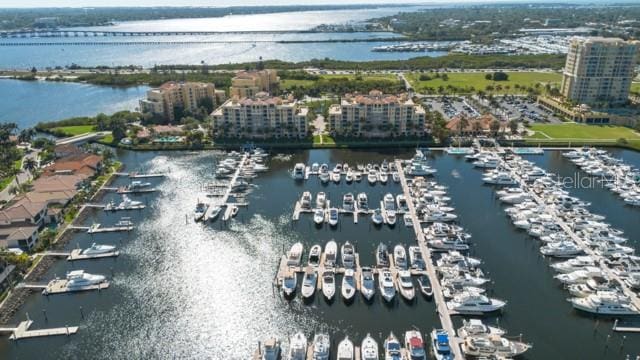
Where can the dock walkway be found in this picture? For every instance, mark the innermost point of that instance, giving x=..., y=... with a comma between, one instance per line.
x=22, y=331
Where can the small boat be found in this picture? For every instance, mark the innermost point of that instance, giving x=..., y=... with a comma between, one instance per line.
x=348, y=285
x=415, y=256
x=377, y=217
x=440, y=345
x=345, y=350
x=214, y=212
x=321, y=200
x=200, y=210
x=289, y=283
x=321, y=347
x=383, y=177
x=386, y=285
x=392, y=348
x=400, y=257
x=382, y=256
x=298, y=172
x=349, y=177
x=348, y=255
x=395, y=176
x=405, y=285
x=234, y=210
x=330, y=254
x=95, y=249
x=314, y=255
x=363, y=201
x=309, y=283
x=329, y=284
x=408, y=221
x=295, y=254
x=348, y=202
x=335, y=176
x=271, y=349
x=372, y=177
x=318, y=216
x=305, y=200
x=333, y=217
x=415, y=345
x=425, y=286
x=391, y=217
x=367, y=282
x=369, y=349
x=475, y=327
x=297, y=347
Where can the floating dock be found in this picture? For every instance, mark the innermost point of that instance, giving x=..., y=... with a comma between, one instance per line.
x=78, y=255
x=22, y=331
x=60, y=286
x=225, y=193
x=96, y=229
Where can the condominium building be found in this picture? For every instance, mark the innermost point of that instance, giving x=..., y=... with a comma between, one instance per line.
x=171, y=96
x=377, y=115
x=598, y=71
x=250, y=83
x=260, y=116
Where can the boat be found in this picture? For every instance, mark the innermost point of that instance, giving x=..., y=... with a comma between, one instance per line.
x=440, y=345
x=200, y=210
x=372, y=177
x=395, y=176
x=348, y=255
x=329, y=284
x=321, y=200
x=321, y=347
x=330, y=254
x=298, y=172
x=415, y=256
x=425, y=286
x=297, y=347
x=234, y=210
x=369, y=349
x=305, y=200
x=494, y=346
x=128, y=204
x=499, y=179
x=561, y=249
x=348, y=288
x=95, y=249
x=294, y=255
x=605, y=303
x=314, y=255
x=348, y=203
x=333, y=217
x=408, y=221
x=439, y=216
x=383, y=177
x=405, y=285
x=289, y=283
x=400, y=257
x=309, y=283
x=377, y=217
x=367, y=282
x=79, y=278
x=363, y=201
x=213, y=212
x=391, y=217
x=335, y=176
x=414, y=345
x=475, y=327
x=382, y=256
x=318, y=216
x=325, y=176
x=392, y=348
x=386, y=285
x=401, y=203
x=315, y=167
x=346, y=350
x=271, y=349
x=473, y=303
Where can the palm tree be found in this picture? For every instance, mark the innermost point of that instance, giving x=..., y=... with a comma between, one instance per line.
x=30, y=164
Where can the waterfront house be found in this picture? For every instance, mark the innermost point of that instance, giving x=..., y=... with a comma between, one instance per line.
x=78, y=164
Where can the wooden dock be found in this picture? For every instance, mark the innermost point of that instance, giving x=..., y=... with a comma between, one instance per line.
x=96, y=229
x=22, y=331
x=77, y=255
x=60, y=286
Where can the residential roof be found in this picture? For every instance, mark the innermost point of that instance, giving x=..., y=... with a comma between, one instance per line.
x=17, y=233
x=75, y=162
x=56, y=183
x=483, y=120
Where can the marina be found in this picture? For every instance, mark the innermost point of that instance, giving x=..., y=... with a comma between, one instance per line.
x=22, y=331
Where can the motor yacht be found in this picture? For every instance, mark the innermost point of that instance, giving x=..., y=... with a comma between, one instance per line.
x=377, y=217
x=395, y=176
x=415, y=256
x=416, y=169
x=330, y=254
x=333, y=216
x=372, y=177
x=389, y=202
x=494, y=346
x=348, y=203
x=405, y=285
x=314, y=255
x=401, y=203
x=128, y=204
x=305, y=200
x=348, y=288
x=329, y=284
x=439, y=216
x=321, y=347
x=408, y=221
x=363, y=201
x=315, y=167
x=591, y=286
x=348, y=255
x=367, y=282
x=383, y=177
x=200, y=210
x=392, y=348
x=295, y=254
x=499, y=179
x=349, y=177
x=386, y=285
x=318, y=216
x=297, y=347
x=447, y=245
x=414, y=345
x=425, y=286
x=473, y=303
x=561, y=249
x=391, y=217
x=487, y=163
x=605, y=303
x=298, y=172
x=369, y=349
x=289, y=283
x=579, y=276
x=213, y=212
x=95, y=249
x=382, y=255
x=440, y=345
x=400, y=257
x=335, y=176
x=475, y=327
x=324, y=176
x=346, y=350
x=271, y=349
x=309, y=281
x=321, y=200
x=78, y=279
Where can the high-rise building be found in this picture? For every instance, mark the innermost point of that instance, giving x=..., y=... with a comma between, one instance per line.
x=599, y=70
x=250, y=83
x=376, y=115
x=260, y=116
x=170, y=96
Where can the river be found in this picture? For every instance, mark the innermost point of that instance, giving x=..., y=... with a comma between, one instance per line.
x=192, y=291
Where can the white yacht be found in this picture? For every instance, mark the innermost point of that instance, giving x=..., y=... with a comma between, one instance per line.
x=579, y=276
x=295, y=254
x=383, y=177
x=386, y=285
x=349, y=177
x=487, y=163
x=400, y=257
x=372, y=177
x=271, y=349
x=297, y=347
x=401, y=203
x=389, y=202
x=289, y=283
x=369, y=349
x=367, y=282
x=363, y=201
x=315, y=167
x=348, y=202
x=377, y=217
x=439, y=216
x=415, y=256
x=382, y=256
x=305, y=200
x=392, y=348
x=474, y=327
x=348, y=255
x=200, y=210
x=605, y=303
x=333, y=216
x=325, y=176
x=391, y=217
x=348, y=288
x=330, y=254
x=499, y=179
x=415, y=345
x=329, y=284
x=473, y=303
x=494, y=346
x=315, y=255
x=408, y=221
x=78, y=279
x=440, y=345
x=335, y=176
x=298, y=171
x=318, y=216
x=405, y=285
x=321, y=200
x=345, y=350
x=321, y=347
x=128, y=204
x=425, y=286
x=309, y=283
x=561, y=249
x=95, y=249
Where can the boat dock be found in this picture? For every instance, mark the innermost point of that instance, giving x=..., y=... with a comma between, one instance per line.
x=626, y=327
x=134, y=175
x=226, y=194
x=60, y=286
x=441, y=307
x=96, y=228
x=22, y=331
x=356, y=212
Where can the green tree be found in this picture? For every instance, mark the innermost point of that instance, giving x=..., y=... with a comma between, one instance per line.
x=513, y=126
x=494, y=126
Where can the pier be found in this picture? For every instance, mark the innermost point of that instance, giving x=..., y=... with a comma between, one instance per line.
x=77, y=254
x=226, y=194
x=61, y=286
x=22, y=331
x=134, y=175
x=97, y=228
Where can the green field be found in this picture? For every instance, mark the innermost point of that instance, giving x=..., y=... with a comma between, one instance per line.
x=74, y=130
x=635, y=88
x=289, y=83
x=470, y=82
x=573, y=131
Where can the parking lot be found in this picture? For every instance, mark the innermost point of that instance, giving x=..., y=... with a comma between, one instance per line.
x=451, y=107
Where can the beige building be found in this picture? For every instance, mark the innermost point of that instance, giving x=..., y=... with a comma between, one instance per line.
x=599, y=70
x=164, y=100
x=250, y=83
x=260, y=116
x=377, y=115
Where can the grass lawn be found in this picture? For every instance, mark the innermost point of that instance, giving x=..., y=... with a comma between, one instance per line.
x=635, y=87
x=108, y=140
x=573, y=131
x=6, y=181
x=75, y=130
x=466, y=81
x=287, y=83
